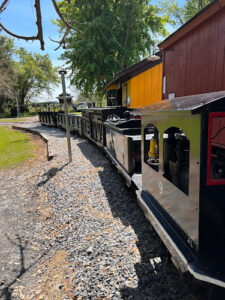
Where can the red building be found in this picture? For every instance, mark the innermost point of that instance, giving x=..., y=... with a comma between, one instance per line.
x=194, y=56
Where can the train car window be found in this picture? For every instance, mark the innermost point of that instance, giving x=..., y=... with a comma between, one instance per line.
x=216, y=149
x=151, y=146
x=176, y=148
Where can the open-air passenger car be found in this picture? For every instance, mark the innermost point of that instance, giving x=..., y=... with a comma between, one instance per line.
x=183, y=181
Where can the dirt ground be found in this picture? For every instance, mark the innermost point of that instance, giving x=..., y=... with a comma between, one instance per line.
x=17, y=216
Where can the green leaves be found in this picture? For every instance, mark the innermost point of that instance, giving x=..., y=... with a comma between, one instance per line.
x=115, y=34
x=23, y=74
x=6, y=71
x=34, y=74
x=179, y=15
x=192, y=7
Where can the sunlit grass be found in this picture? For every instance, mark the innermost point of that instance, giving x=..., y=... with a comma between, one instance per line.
x=15, y=147
x=76, y=113
x=11, y=120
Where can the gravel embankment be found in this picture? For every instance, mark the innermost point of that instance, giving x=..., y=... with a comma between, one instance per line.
x=83, y=234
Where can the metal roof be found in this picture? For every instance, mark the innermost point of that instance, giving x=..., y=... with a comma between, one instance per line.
x=194, y=103
x=135, y=69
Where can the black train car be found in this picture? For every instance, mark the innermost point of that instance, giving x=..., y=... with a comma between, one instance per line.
x=93, y=118
x=183, y=181
x=48, y=118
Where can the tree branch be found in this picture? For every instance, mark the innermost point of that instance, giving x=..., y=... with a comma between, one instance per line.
x=39, y=24
x=62, y=41
x=27, y=38
x=129, y=25
x=62, y=18
x=39, y=35
x=3, y=6
x=60, y=15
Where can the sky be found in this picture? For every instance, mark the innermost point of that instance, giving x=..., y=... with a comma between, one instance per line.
x=20, y=18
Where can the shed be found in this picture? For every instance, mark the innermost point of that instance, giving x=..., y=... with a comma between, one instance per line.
x=194, y=57
x=138, y=85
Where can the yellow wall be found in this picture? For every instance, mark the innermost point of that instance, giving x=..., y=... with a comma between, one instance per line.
x=146, y=88
x=111, y=87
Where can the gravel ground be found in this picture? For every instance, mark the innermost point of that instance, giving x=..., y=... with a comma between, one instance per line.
x=75, y=231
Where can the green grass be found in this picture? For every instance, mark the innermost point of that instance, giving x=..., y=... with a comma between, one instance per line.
x=11, y=120
x=28, y=114
x=76, y=113
x=15, y=147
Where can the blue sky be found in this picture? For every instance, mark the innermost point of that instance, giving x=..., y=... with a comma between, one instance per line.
x=20, y=18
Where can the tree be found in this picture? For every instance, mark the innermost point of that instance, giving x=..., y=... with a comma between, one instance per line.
x=173, y=11
x=39, y=35
x=180, y=15
x=7, y=72
x=114, y=34
x=192, y=7
x=35, y=73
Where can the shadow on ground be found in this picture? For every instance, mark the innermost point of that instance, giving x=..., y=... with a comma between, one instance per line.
x=50, y=174
x=6, y=289
x=155, y=271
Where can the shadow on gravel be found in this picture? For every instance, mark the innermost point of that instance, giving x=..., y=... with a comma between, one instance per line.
x=7, y=290
x=157, y=277
x=50, y=174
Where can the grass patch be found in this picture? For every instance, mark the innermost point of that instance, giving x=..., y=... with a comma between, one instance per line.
x=76, y=113
x=28, y=114
x=15, y=147
x=11, y=120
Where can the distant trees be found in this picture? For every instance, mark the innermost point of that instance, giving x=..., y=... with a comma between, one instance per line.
x=23, y=75
x=7, y=73
x=182, y=14
x=34, y=74
x=192, y=7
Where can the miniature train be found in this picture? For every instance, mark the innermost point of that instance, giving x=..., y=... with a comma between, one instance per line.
x=175, y=154
x=175, y=158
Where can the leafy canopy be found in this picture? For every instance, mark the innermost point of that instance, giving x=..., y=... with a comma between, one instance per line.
x=113, y=34
x=6, y=71
x=35, y=73
x=192, y=7
x=181, y=14
x=23, y=74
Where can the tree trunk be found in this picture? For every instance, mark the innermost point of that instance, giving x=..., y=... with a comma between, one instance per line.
x=129, y=22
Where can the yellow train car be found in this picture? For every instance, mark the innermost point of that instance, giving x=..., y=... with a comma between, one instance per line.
x=138, y=85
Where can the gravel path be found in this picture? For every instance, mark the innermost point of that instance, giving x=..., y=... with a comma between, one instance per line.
x=75, y=231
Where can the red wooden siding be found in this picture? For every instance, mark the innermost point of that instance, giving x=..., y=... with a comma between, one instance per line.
x=195, y=64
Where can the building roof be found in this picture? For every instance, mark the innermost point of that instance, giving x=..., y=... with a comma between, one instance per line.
x=188, y=103
x=199, y=18
x=134, y=70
